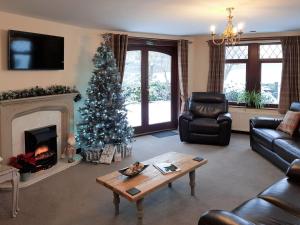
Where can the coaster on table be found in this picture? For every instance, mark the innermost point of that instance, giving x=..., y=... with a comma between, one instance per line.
x=133, y=191
x=199, y=159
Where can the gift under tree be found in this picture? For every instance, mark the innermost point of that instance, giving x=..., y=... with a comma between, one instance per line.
x=103, y=115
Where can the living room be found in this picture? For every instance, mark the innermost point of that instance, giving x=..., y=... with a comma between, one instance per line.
x=104, y=93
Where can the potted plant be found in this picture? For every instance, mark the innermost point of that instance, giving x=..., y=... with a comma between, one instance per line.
x=252, y=99
x=25, y=163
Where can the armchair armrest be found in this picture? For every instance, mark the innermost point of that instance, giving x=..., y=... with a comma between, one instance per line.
x=187, y=115
x=264, y=122
x=224, y=117
x=220, y=217
x=293, y=171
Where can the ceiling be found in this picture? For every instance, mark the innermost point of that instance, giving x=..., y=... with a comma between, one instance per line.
x=173, y=17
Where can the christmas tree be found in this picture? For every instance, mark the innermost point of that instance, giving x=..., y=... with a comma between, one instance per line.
x=104, y=116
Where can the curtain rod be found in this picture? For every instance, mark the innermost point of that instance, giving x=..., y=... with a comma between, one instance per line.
x=259, y=38
x=157, y=39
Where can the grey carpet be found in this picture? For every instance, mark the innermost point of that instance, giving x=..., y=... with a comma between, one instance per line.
x=233, y=174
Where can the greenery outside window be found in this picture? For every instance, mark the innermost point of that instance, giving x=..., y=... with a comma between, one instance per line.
x=253, y=67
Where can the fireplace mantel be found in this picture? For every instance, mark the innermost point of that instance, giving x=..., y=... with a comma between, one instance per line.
x=12, y=109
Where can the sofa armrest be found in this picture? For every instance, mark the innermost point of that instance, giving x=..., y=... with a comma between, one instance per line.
x=220, y=217
x=293, y=171
x=187, y=115
x=264, y=122
x=224, y=117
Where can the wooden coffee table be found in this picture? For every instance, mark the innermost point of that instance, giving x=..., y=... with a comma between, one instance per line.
x=150, y=179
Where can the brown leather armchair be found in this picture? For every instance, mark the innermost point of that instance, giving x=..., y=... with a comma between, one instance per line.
x=207, y=120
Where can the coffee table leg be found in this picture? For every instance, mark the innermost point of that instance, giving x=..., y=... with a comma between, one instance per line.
x=140, y=211
x=192, y=182
x=116, y=203
x=170, y=185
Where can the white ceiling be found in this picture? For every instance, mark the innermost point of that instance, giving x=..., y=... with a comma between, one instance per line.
x=174, y=17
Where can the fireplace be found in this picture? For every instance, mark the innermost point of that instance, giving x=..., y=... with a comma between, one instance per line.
x=42, y=142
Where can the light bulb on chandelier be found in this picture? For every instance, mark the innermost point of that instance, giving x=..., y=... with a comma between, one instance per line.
x=231, y=34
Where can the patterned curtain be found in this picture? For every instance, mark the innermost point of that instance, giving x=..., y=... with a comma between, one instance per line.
x=290, y=79
x=119, y=43
x=183, y=46
x=216, y=68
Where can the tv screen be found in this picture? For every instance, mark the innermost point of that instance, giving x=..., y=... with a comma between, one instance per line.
x=31, y=51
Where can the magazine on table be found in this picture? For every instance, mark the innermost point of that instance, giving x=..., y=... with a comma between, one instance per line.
x=166, y=168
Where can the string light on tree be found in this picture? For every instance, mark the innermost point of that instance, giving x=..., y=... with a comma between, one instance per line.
x=104, y=116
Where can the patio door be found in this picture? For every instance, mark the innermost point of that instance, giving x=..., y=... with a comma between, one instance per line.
x=151, y=87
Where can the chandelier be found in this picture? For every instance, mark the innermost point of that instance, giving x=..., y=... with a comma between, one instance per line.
x=231, y=34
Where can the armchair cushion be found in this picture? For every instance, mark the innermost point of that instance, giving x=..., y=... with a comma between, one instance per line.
x=221, y=217
x=204, y=126
x=208, y=105
x=187, y=115
x=224, y=117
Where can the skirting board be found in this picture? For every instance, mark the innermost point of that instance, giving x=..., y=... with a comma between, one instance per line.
x=60, y=166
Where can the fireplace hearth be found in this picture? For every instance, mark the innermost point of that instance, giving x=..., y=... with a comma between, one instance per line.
x=43, y=143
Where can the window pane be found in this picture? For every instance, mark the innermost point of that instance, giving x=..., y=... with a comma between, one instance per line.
x=236, y=52
x=270, y=82
x=234, y=80
x=272, y=51
x=132, y=87
x=159, y=87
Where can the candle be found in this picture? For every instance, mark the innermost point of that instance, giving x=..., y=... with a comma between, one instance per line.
x=240, y=27
x=213, y=29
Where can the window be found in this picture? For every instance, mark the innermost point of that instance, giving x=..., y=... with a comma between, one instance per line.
x=254, y=66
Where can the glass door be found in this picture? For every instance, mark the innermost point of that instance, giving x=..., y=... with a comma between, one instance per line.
x=159, y=82
x=150, y=85
x=132, y=87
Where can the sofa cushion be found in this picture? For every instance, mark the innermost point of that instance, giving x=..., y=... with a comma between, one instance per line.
x=284, y=194
x=266, y=136
x=259, y=211
x=204, y=126
x=288, y=149
x=290, y=122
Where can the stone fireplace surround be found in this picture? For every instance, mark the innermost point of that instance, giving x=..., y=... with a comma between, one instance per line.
x=11, y=110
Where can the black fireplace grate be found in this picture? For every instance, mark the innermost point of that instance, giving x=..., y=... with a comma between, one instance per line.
x=42, y=137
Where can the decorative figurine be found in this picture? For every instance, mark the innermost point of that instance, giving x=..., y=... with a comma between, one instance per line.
x=70, y=150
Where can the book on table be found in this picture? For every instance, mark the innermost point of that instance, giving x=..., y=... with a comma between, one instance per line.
x=166, y=168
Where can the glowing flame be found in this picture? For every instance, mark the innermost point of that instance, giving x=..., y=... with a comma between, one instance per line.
x=41, y=150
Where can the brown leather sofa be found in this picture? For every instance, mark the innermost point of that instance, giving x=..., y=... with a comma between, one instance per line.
x=207, y=120
x=277, y=205
x=276, y=146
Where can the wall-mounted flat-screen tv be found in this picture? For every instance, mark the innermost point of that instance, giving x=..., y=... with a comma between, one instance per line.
x=31, y=51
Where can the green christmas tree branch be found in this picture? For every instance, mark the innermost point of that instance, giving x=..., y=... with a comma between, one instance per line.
x=103, y=115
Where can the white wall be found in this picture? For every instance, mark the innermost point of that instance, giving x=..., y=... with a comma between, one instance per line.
x=80, y=46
